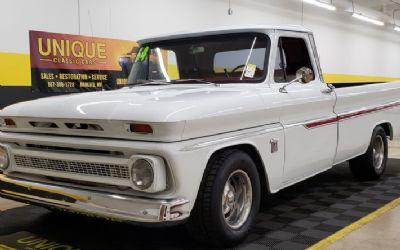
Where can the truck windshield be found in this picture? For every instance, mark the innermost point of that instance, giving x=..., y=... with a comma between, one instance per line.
x=228, y=58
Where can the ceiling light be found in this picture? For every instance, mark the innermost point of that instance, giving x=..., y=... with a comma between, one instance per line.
x=397, y=28
x=368, y=19
x=320, y=4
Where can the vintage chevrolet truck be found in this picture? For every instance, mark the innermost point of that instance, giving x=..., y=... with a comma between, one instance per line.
x=208, y=125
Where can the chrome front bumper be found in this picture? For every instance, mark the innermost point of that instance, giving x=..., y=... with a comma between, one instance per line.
x=110, y=206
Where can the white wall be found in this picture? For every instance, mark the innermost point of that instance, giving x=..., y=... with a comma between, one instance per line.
x=17, y=17
x=346, y=45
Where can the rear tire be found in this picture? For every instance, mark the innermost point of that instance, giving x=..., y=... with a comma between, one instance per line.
x=228, y=200
x=372, y=164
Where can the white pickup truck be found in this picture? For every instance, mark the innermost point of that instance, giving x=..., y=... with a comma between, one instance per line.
x=209, y=123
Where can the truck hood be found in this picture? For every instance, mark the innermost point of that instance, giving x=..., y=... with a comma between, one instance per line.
x=175, y=112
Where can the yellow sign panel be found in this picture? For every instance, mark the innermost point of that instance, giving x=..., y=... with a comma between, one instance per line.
x=15, y=69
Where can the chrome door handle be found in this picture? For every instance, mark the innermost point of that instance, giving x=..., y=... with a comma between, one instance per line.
x=329, y=89
x=326, y=91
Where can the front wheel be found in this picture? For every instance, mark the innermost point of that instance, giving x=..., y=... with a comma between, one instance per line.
x=372, y=164
x=228, y=200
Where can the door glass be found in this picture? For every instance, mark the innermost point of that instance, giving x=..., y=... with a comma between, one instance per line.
x=292, y=55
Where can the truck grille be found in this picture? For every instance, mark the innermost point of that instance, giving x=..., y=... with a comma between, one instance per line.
x=73, y=167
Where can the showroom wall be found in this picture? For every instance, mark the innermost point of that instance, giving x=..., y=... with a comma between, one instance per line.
x=350, y=50
x=346, y=45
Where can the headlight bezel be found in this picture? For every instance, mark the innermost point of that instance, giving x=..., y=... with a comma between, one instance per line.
x=7, y=157
x=159, y=180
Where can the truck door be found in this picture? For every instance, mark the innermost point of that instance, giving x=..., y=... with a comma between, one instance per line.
x=307, y=114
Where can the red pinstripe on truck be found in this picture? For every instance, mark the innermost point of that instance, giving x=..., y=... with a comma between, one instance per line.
x=348, y=115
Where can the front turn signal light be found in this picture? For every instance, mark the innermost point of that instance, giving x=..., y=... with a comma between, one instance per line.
x=140, y=128
x=10, y=123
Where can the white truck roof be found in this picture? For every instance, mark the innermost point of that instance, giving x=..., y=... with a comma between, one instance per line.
x=224, y=30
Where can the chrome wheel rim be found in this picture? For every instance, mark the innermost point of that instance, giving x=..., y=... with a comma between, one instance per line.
x=378, y=152
x=237, y=199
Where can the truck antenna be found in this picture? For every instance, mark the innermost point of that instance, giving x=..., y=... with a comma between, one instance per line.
x=230, y=11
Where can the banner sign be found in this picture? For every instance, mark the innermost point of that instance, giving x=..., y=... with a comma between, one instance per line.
x=74, y=63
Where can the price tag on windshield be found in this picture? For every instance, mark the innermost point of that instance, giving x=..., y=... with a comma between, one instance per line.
x=250, y=70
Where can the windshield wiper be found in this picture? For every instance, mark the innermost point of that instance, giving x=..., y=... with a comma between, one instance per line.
x=147, y=83
x=193, y=80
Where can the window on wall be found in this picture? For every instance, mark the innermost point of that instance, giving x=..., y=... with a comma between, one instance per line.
x=292, y=55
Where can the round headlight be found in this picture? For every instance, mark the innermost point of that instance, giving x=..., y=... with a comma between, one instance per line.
x=142, y=174
x=4, y=161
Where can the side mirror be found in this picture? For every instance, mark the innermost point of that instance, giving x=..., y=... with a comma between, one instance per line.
x=304, y=75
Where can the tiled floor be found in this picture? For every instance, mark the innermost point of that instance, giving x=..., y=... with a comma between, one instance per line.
x=310, y=211
x=381, y=233
x=295, y=218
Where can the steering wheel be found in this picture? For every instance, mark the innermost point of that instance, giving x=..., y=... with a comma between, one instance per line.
x=238, y=67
